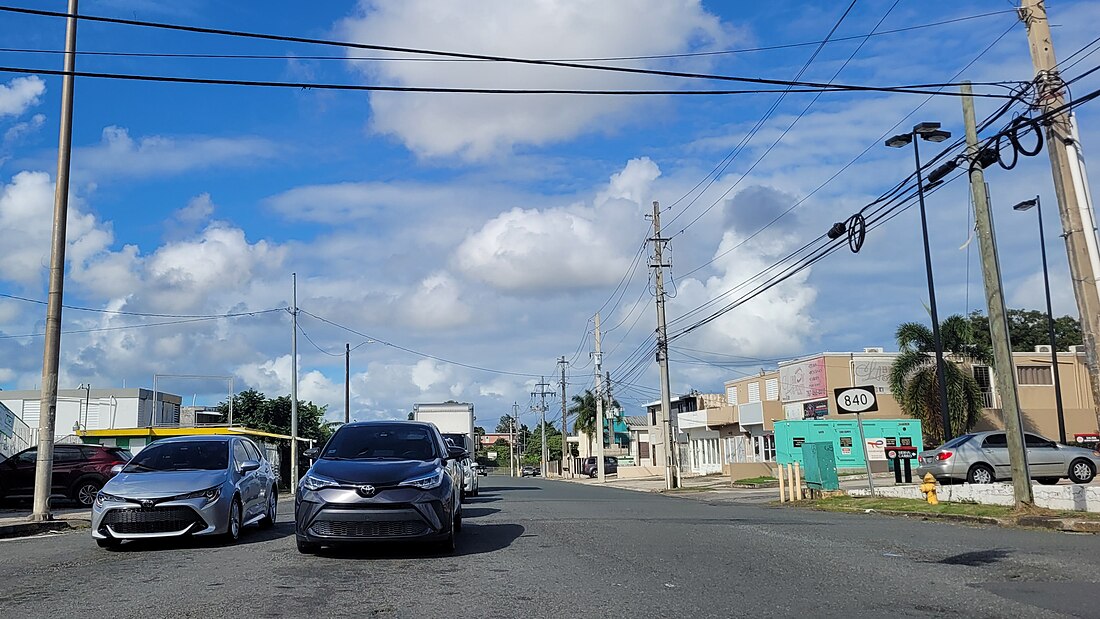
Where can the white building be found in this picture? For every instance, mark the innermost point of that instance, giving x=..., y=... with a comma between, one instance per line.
x=96, y=409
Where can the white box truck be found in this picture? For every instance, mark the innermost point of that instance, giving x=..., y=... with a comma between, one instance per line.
x=455, y=421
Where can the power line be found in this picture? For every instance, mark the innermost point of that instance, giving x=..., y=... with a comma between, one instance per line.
x=140, y=326
x=144, y=314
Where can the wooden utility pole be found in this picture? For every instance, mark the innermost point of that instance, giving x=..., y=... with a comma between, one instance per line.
x=1070, y=186
x=545, y=451
x=47, y=419
x=564, y=443
x=601, y=474
x=1003, y=369
x=347, y=383
x=294, y=388
x=666, y=448
x=512, y=465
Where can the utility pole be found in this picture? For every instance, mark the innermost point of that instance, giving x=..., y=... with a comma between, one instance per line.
x=294, y=388
x=1070, y=186
x=512, y=444
x=664, y=416
x=1003, y=368
x=347, y=383
x=610, y=410
x=564, y=443
x=542, y=393
x=601, y=474
x=43, y=471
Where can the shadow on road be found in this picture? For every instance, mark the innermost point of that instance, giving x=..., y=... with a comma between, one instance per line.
x=975, y=559
x=478, y=512
x=249, y=535
x=474, y=539
x=510, y=488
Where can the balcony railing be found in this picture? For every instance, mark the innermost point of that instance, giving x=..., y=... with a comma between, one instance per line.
x=990, y=400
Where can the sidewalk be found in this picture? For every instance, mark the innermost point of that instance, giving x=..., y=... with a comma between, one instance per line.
x=16, y=522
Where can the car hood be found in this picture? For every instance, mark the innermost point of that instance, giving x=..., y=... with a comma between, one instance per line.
x=377, y=472
x=158, y=484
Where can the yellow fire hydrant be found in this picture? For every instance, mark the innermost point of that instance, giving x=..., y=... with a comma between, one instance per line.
x=929, y=489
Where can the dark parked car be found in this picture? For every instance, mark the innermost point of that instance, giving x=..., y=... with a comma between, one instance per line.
x=79, y=471
x=381, y=481
x=610, y=465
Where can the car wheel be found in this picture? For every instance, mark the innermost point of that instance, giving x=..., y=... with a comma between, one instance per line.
x=1047, y=481
x=1081, y=471
x=108, y=542
x=307, y=548
x=980, y=474
x=233, y=529
x=85, y=490
x=272, y=509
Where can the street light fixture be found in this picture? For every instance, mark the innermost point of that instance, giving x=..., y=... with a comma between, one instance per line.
x=1025, y=206
x=929, y=131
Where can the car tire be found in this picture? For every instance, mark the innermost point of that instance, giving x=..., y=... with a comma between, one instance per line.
x=108, y=542
x=980, y=474
x=233, y=527
x=1081, y=471
x=272, y=514
x=1047, y=481
x=307, y=548
x=85, y=490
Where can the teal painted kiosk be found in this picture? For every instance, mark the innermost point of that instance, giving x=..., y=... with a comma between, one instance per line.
x=844, y=435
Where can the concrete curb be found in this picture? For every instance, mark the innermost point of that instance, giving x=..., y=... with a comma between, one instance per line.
x=27, y=529
x=1051, y=523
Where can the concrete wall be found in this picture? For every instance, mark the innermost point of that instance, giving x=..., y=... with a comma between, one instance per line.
x=634, y=472
x=746, y=470
x=1062, y=497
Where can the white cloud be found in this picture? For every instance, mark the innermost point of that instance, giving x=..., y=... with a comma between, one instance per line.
x=20, y=94
x=562, y=248
x=19, y=130
x=197, y=211
x=118, y=154
x=475, y=126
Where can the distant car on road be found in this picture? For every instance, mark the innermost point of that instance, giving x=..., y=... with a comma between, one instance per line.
x=470, y=484
x=79, y=471
x=610, y=465
x=187, y=485
x=481, y=470
x=982, y=458
x=381, y=481
x=529, y=471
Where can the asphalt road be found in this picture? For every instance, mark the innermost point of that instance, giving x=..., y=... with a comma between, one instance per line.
x=540, y=548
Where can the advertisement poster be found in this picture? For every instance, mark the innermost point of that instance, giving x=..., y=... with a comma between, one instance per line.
x=803, y=381
x=876, y=449
x=874, y=372
x=815, y=410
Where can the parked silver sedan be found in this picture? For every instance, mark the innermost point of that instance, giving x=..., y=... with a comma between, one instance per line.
x=982, y=458
x=192, y=485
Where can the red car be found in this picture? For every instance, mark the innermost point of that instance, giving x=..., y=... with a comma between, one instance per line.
x=79, y=471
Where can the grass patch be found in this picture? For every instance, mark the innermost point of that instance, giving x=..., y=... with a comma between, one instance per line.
x=756, y=480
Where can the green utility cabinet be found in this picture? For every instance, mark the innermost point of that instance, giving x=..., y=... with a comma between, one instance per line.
x=792, y=436
x=819, y=464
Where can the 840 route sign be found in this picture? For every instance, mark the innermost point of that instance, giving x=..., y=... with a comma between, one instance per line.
x=855, y=400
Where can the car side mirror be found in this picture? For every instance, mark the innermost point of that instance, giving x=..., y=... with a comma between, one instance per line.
x=457, y=453
x=116, y=469
x=249, y=465
x=311, y=453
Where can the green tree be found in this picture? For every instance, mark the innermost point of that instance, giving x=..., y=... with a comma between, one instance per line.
x=1028, y=329
x=532, y=452
x=913, y=376
x=504, y=426
x=584, y=409
x=255, y=410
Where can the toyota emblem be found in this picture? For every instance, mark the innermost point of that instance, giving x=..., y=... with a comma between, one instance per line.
x=147, y=503
x=366, y=491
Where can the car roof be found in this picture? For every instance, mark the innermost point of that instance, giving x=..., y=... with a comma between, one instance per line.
x=207, y=438
x=386, y=422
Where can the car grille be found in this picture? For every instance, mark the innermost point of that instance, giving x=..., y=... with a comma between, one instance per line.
x=383, y=528
x=151, y=519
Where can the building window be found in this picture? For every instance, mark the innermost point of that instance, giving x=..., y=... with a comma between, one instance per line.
x=771, y=389
x=754, y=392
x=764, y=446
x=1034, y=375
x=731, y=395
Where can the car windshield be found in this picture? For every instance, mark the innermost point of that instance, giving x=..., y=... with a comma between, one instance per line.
x=381, y=442
x=181, y=456
x=459, y=440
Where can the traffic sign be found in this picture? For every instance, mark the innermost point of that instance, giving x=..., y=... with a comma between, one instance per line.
x=855, y=399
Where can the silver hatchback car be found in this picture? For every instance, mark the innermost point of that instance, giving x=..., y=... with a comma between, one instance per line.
x=188, y=485
x=982, y=458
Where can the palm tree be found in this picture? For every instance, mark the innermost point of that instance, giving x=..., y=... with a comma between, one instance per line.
x=913, y=376
x=584, y=408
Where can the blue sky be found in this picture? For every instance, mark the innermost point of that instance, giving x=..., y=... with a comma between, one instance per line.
x=488, y=229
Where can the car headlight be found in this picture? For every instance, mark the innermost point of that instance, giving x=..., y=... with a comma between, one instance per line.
x=317, y=482
x=426, y=482
x=103, y=498
x=210, y=494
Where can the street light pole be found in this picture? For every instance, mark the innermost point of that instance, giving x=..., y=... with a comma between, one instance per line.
x=929, y=131
x=1024, y=206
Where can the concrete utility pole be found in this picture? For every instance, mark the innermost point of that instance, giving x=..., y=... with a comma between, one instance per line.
x=666, y=448
x=601, y=474
x=512, y=444
x=1070, y=186
x=1003, y=369
x=542, y=393
x=610, y=408
x=43, y=472
x=347, y=383
x=294, y=388
x=564, y=430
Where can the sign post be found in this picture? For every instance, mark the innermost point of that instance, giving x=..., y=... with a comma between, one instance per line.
x=856, y=400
